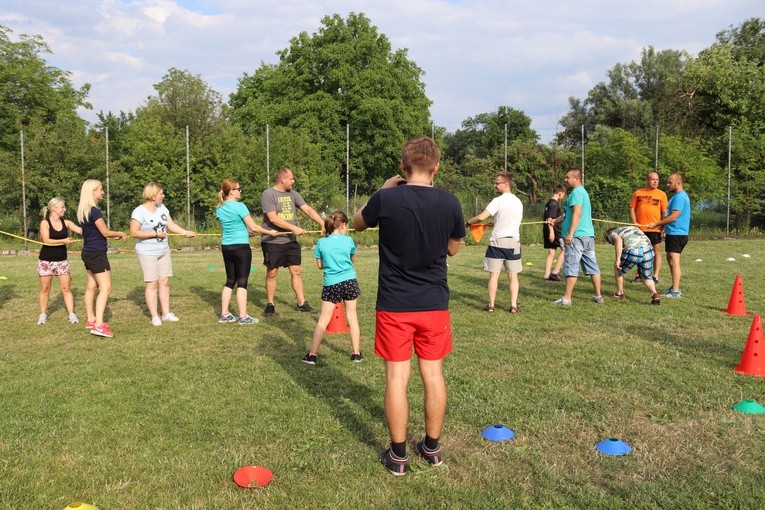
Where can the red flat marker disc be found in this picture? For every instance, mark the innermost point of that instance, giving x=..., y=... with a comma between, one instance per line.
x=252, y=476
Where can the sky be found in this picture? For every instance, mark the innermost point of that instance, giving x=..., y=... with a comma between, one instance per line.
x=477, y=55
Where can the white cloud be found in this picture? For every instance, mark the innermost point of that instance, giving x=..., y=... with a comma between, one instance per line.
x=477, y=54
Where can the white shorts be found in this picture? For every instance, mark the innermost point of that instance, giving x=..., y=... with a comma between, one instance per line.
x=155, y=266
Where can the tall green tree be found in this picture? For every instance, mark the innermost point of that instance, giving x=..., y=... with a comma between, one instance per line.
x=346, y=73
x=484, y=133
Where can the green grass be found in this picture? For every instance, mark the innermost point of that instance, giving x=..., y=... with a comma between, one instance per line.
x=160, y=418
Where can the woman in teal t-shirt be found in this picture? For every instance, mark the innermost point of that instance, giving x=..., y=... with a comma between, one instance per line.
x=237, y=225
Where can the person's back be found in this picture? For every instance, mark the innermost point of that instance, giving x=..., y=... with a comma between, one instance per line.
x=415, y=223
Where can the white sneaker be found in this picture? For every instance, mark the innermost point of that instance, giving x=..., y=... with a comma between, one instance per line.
x=562, y=302
x=73, y=318
x=156, y=321
x=170, y=317
x=42, y=319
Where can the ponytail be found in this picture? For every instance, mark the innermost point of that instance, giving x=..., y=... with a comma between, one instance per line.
x=335, y=221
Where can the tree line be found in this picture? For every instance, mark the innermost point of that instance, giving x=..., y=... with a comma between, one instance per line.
x=668, y=111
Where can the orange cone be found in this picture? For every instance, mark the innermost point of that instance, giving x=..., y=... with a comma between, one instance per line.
x=337, y=323
x=737, y=303
x=753, y=358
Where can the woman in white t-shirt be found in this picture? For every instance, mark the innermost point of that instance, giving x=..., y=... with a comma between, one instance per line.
x=149, y=224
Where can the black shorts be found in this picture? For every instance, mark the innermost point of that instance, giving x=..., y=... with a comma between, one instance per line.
x=675, y=244
x=343, y=291
x=654, y=237
x=554, y=244
x=281, y=255
x=96, y=261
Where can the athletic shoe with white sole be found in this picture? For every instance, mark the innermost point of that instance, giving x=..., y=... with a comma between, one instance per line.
x=395, y=465
x=103, y=330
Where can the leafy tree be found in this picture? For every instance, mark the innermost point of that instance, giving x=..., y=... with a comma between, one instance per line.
x=30, y=88
x=346, y=73
x=482, y=134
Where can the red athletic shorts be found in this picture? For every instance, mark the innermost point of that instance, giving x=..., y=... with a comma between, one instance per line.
x=429, y=332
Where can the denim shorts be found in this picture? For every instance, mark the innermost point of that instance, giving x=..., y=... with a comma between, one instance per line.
x=580, y=251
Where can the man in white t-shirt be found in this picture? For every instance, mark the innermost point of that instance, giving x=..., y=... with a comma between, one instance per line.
x=505, y=243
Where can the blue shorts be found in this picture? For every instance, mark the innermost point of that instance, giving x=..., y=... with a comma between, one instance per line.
x=580, y=251
x=640, y=257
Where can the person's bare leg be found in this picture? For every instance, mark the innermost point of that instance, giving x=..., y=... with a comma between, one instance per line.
x=515, y=287
x=241, y=301
x=596, y=283
x=65, y=282
x=353, y=325
x=164, y=294
x=327, y=308
x=396, y=404
x=90, y=296
x=296, y=274
x=492, y=287
x=104, y=282
x=674, y=269
x=657, y=262
x=570, y=284
x=150, y=295
x=271, y=283
x=434, y=386
x=225, y=300
x=45, y=283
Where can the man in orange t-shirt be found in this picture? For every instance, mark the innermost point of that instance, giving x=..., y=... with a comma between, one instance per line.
x=648, y=205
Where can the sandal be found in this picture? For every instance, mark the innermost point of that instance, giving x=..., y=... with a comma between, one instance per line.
x=488, y=308
x=515, y=309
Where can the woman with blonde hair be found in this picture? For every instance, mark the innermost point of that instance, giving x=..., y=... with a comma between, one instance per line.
x=54, y=232
x=149, y=224
x=237, y=226
x=94, y=235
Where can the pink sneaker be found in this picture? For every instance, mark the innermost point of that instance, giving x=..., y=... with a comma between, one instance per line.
x=102, y=331
x=90, y=324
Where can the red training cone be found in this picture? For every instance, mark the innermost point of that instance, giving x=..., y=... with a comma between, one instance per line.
x=753, y=358
x=337, y=323
x=737, y=303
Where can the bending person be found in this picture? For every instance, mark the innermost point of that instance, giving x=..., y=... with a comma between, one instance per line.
x=149, y=224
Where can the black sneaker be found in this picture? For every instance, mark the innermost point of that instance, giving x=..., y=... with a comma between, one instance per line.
x=305, y=307
x=357, y=358
x=433, y=457
x=554, y=277
x=395, y=465
x=269, y=310
x=310, y=359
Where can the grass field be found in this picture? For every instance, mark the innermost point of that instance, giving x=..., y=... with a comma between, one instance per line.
x=160, y=418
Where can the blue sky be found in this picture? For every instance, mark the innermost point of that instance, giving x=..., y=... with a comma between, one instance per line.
x=477, y=54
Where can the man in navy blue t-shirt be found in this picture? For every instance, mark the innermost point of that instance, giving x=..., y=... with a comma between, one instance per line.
x=419, y=226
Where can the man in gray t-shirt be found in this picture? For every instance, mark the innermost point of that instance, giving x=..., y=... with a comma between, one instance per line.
x=280, y=205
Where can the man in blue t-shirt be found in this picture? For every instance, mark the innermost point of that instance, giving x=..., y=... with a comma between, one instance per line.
x=677, y=225
x=579, y=239
x=419, y=226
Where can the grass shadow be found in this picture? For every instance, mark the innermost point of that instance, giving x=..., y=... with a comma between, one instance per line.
x=717, y=352
x=138, y=296
x=211, y=298
x=7, y=293
x=326, y=383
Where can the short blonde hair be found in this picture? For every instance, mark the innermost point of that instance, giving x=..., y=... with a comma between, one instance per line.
x=151, y=190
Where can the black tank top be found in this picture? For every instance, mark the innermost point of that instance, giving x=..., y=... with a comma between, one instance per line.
x=55, y=253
